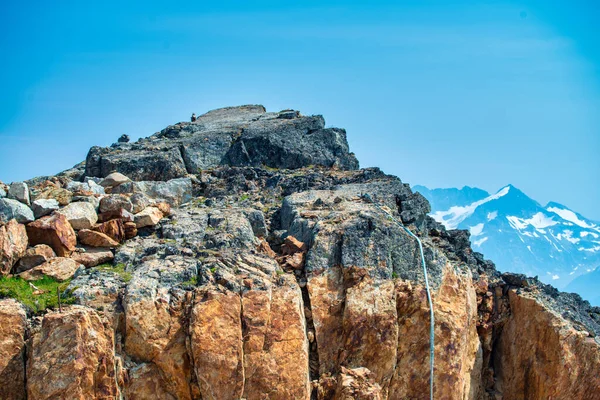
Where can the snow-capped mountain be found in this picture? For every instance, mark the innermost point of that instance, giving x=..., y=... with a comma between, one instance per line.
x=518, y=234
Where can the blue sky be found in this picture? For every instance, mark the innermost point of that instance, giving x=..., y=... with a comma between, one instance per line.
x=440, y=93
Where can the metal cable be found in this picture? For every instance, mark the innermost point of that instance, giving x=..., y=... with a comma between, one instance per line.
x=431, y=315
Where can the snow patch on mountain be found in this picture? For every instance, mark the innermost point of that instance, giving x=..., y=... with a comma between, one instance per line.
x=455, y=215
x=570, y=216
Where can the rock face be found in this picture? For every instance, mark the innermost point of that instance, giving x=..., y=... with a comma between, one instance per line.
x=13, y=325
x=246, y=281
x=34, y=256
x=239, y=136
x=13, y=243
x=19, y=191
x=72, y=357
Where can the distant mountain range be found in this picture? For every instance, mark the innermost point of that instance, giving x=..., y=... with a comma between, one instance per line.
x=553, y=242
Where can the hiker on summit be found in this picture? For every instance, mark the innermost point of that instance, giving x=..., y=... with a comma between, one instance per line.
x=193, y=117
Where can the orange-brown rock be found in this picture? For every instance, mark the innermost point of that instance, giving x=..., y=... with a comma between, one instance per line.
x=13, y=244
x=59, y=268
x=96, y=239
x=113, y=229
x=13, y=324
x=541, y=356
x=292, y=245
x=34, y=256
x=155, y=321
x=216, y=344
x=92, y=257
x=458, y=355
x=164, y=208
x=72, y=357
x=145, y=381
x=357, y=384
x=130, y=230
x=265, y=248
x=121, y=214
x=275, y=343
x=150, y=216
x=55, y=231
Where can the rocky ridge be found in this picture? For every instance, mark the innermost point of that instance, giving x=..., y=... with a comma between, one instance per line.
x=246, y=263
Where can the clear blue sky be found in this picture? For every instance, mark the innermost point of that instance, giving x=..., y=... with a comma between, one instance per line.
x=440, y=93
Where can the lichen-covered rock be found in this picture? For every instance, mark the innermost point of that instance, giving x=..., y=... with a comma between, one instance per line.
x=59, y=268
x=55, y=231
x=34, y=256
x=175, y=191
x=357, y=384
x=13, y=244
x=13, y=209
x=72, y=357
x=63, y=196
x=13, y=327
x=81, y=215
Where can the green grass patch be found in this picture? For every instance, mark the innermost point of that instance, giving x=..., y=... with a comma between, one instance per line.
x=37, y=300
x=192, y=282
x=118, y=270
x=244, y=197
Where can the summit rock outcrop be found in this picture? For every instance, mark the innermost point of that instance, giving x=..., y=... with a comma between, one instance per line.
x=244, y=261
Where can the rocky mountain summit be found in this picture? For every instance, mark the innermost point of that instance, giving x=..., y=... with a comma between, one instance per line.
x=236, y=257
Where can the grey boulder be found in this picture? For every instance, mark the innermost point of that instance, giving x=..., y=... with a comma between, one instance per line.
x=19, y=191
x=44, y=207
x=10, y=209
x=81, y=215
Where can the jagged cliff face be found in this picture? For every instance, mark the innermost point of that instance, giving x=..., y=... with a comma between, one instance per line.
x=273, y=278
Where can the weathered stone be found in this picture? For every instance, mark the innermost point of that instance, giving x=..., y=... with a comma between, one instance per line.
x=13, y=325
x=72, y=357
x=114, y=179
x=174, y=192
x=92, y=257
x=114, y=229
x=44, y=207
x=19, y=191
x=164, y=208
x=96, y=239
x=130, y=230
x=85, y=187
x=139, y=201
x=13, y=244
x=258, y=223
x=115, y=202
x=357, y=384
x=81, y=215
x=146, y=382
x=149, y=217
x=34, y=256
x=13, y=209
x=121, y=214
x=55, y=231
x=63, y=196
x=216, y=344
x=59, y=268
